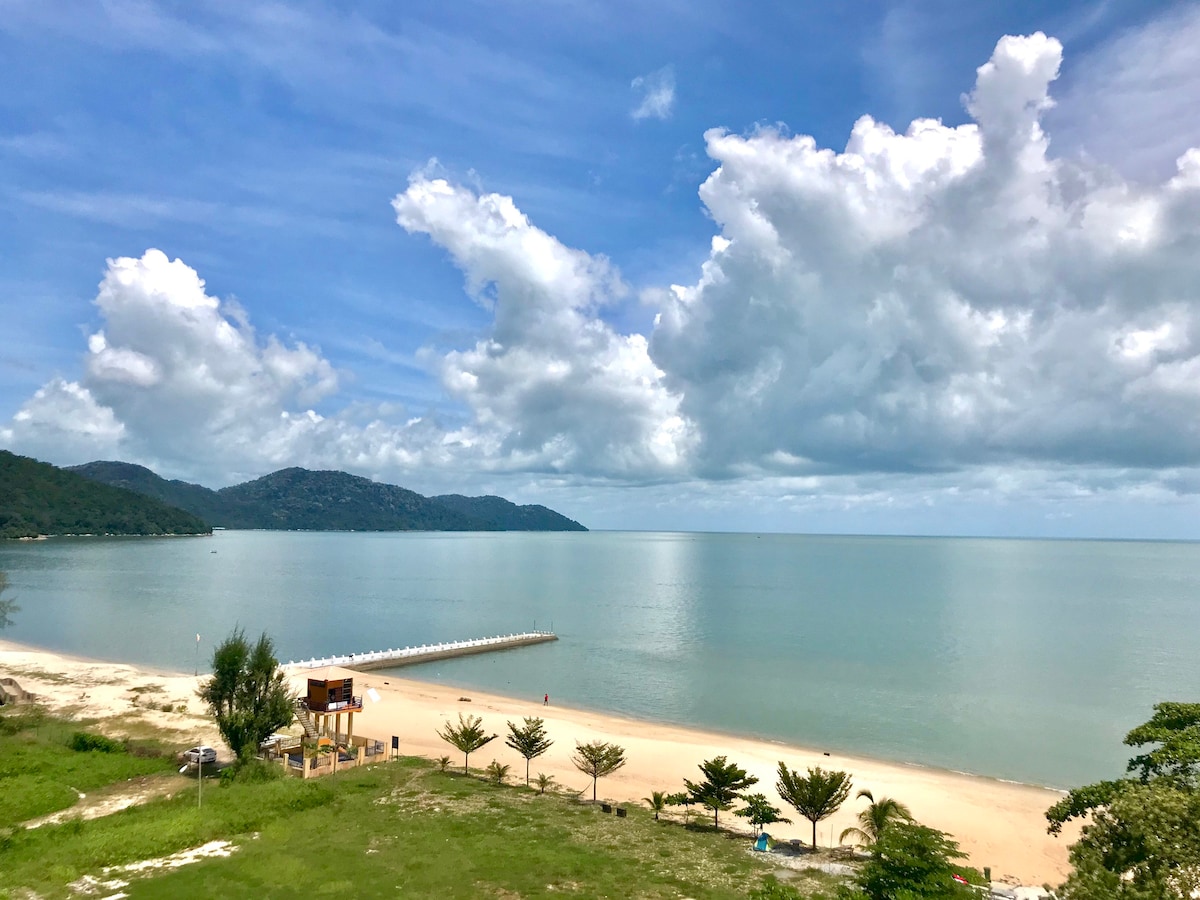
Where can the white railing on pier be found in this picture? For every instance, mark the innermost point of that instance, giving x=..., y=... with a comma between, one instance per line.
x=408, y=654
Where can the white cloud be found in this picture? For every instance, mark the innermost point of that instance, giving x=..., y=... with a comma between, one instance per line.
x=951, y=303
x=656, y=94
x=552, y=386
x=939, y=299
x=1131, y=102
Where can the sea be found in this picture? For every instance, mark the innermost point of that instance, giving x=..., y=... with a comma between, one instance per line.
x=1025, y=660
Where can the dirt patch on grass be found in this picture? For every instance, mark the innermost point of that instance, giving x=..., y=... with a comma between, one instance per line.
x=114, y=798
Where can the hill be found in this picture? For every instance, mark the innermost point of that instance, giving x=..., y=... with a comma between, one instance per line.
x=507, y=516
x=300, y=499
x=37, y=498
x=335, y=501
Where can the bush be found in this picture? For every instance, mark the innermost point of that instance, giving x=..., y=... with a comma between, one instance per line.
x=251, y=771
x=82, y=742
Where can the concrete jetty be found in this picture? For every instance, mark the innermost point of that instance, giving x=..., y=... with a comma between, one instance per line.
x=390, y=659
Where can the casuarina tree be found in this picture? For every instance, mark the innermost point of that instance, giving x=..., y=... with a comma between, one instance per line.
x=597, y=759
x=816, y=796
x=247, y=693
x=723, y=783
x=529, y=740
x=467, y=737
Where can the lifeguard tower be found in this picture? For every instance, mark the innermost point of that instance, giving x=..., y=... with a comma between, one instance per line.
x=327, y=699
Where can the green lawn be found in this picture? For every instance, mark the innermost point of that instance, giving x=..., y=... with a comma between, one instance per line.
x=39, y=774
x=397, y=829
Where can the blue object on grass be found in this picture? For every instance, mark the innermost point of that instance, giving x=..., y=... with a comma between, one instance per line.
x=763, y=841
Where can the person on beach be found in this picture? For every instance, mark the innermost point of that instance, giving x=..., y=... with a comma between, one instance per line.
x=546, y=700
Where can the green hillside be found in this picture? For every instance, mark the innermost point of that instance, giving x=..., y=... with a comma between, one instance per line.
x=507, y=516
x=37, y=498
x=299, y=499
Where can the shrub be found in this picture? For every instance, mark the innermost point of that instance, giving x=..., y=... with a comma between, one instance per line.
x=82, y=742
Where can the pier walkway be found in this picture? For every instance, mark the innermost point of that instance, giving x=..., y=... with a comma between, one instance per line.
x=390, y=659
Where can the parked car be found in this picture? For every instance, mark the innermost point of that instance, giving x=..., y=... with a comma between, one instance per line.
x=202, y=755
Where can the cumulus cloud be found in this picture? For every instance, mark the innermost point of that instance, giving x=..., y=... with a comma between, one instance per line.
x=941, y=298
x=178, y=376
x=552, y=386
x=655, y=93
x=952, y=303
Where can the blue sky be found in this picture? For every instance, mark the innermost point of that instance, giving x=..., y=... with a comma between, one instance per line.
x=444, y=237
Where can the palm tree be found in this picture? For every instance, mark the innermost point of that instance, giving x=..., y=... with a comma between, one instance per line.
x=543, y=781
x=816, y=796
x=657, y=801
x=467, y=737
x=878, y=815
x=529, y=740
x=497, y=772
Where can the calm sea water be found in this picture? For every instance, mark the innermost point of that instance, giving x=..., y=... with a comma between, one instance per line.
x=1017, y=659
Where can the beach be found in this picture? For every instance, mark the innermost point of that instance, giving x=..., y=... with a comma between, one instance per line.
x=997, y=824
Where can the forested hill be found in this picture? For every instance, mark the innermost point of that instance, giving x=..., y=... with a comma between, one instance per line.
x=330, y=501
x=37, y=498
x=507, y=516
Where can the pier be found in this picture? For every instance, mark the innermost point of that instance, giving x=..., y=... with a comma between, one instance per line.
x=390, y=659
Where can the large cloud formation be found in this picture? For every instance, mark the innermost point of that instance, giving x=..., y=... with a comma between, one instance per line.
x=951, y=302
x=942, y=298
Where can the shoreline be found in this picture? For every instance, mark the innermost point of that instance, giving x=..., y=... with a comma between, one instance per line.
x=997, y=823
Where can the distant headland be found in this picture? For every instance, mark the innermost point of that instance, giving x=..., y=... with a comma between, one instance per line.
x=108, y=497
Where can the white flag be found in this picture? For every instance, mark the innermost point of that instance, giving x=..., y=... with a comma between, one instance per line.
x=197, y=638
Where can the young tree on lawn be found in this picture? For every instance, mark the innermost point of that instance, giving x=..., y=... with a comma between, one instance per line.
x=467, y=737
x=681, y=798
x=816, y=796
x=543, y=781
x=597, y=759
x=760, y=812
x=497, y=772
x=723, y=783
x=875, y=818
x=657, y=801
x=529, y=740
x=247, y=692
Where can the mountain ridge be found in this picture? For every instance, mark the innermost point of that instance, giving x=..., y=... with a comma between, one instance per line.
x=37, y=498
x=327, y=500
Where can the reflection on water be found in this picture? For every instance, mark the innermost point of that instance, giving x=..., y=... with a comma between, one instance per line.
x=1021, y=659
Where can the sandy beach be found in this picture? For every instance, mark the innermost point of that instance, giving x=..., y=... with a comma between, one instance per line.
x=997, y=823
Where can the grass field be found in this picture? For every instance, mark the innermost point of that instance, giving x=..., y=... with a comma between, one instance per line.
x=401, y=828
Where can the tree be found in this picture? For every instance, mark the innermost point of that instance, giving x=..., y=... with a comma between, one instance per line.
x=1143, y=845
x=497, y=772
x=913, y=862
x=543, y=781
x=247, y=693
x=878, y=815
x=1142, y=842
x=467, y=737
x=1175, y=727
x=7, y=607
x=723, y=783
x=681, y=798
x=598, y=759
x=760, y=812
x=529, y=740
x=657, y=801
x=816, y=796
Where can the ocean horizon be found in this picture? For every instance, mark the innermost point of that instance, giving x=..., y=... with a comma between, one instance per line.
x=1019, y=659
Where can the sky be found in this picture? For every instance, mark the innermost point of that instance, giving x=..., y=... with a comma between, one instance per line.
x=884, y=267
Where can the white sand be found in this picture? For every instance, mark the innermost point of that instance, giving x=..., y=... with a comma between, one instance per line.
x=999, y=824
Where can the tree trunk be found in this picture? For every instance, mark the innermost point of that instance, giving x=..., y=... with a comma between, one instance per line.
x=467, y=756
x=527, y=772
x=715, y=825
x=814, y=821
x=594, y=780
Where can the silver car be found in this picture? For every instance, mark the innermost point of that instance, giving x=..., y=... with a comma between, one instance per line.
x=202, y=755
